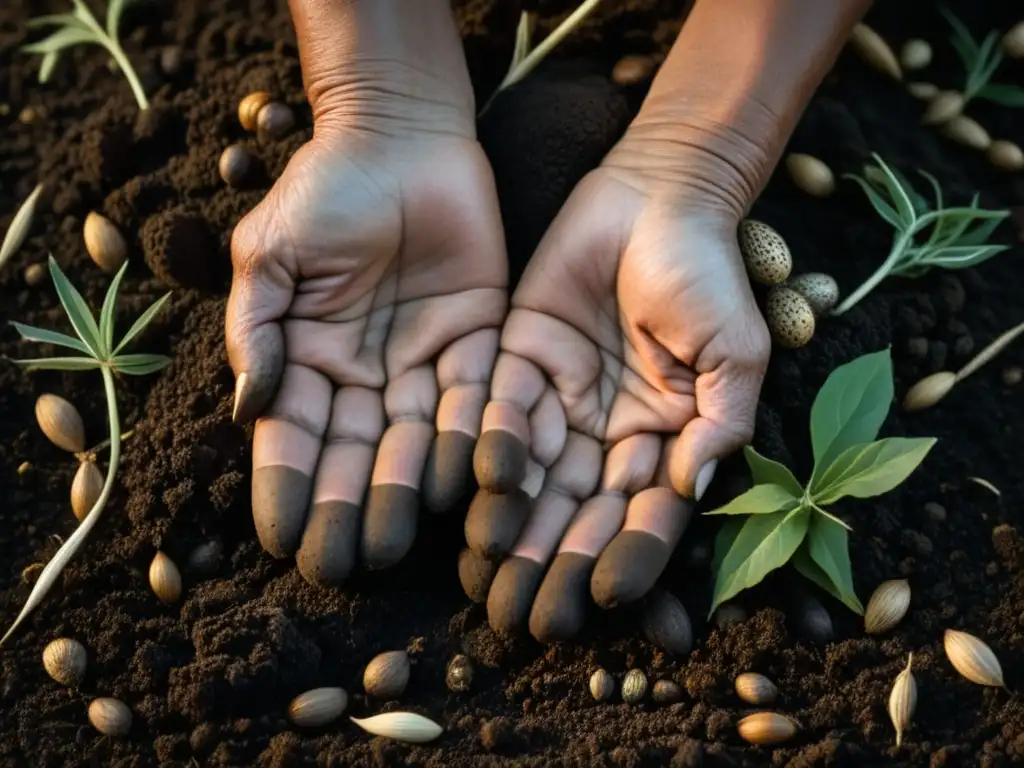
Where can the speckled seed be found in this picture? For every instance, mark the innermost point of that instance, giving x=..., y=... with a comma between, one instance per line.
x=766, y=728
x=875, y=52
x=967, y=131
x=1013, y=41
x=666, y=692
x=204, y=560
x=972, y=658
x=104, y=242
x=887, y=606
x=923, y=91
x=86, y=488
x=249, y=108
x=35, y=274
x=789, y=317
x=915, y=54
x=275, y=120
x=928, y=391
x=755, y=689
x=110, y=716
x=165, y=579
x=765, y=253
x=810, y=174
x=634, y=686
x=317, y=707
x=65, y=660
x=602, y=685
x=666, y=623
x=633, y=69
x=820, y=290
x=943, y=107
x=234, y=164
x=1005, y=155
x=386, y=675
x=459, y=676
x=60, y=422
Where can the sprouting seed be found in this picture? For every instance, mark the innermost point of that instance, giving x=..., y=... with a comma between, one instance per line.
x=973, y=659
x=903, y=700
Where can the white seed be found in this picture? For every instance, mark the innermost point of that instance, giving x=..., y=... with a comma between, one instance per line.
x=765, y=253
x=1013, y=41
x=1006, y=155
x=923, y=91
x=602, y=685
x=972, y=658
x=110, y=716
x=943, y=107
x=887, y=606
x=387, y=675
x=820, y=290
x=915, y=54
x=789, y=317
x=810, y=174
x=60, y=422
x=634, y=686
x=104, y=242
x=766, y=728
x=317, y=707
x=967, y=131
x=875, y=52
x=401, y=726
x=928, y=391
x=903, y=700
x=65, y=660
x=755, y=689
x=165, y=579
x=86, y=488
x=20, y=225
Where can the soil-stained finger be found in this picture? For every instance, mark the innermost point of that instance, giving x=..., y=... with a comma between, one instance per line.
x=476, y=574
x=494, y=522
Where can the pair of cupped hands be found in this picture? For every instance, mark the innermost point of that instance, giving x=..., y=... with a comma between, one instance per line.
x=373, y=338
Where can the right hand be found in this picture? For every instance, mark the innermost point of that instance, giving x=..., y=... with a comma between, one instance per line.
x=369, y=288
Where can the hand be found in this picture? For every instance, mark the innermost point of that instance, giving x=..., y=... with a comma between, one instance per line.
x=630, y=363
x=369, y=287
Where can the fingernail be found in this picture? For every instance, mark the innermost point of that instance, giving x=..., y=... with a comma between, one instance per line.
x=240, y=393
x=704, y=477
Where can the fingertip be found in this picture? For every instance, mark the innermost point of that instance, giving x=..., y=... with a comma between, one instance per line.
x=447, y=477
x=476, y=574
x=328, y=551
x=560, y=608
x=494, y=521
x=499, y=461
x=259, y=358
x=628, y=568
x=280, y=501
x=389, y=527
x=511, y=594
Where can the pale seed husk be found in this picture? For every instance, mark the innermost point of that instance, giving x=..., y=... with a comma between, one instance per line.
x=104, y=242
x=943, y=107
x=165, y=579
x=317, y=707
x=401, y=726
x=20, y=225
x=602, y=685
x=875, y=52
x=967, y=131
x=915, y=54
x=755, y=689
x=972, y=658
x=810, y=174
x=60, y=422
x=928, y=391
x=766, y=728
x=922, y=90
x=86, y=488
x=387, y=675
x=1013, y=41
x=634, y=686
x=249, y=108
x=1005, y=155
x=35, y=274
x=65, y=661
x=887, y=606
x=903, y=700
x=110, y=716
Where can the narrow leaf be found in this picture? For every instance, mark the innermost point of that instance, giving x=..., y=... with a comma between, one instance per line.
x=108, y=312
x=60, y=364
x=114, y=11
x=144, y=319
x=56, y=20
x=883, y=208
x=522, y=46
x=869, y=470
x=46, y=67
x=83, y=13
x=20, y=226
x=961, y=36
x=77, y=310
x=961, y=258
x=1004, y=95
x=829, y=547
x=764, y=470
x=981, y=233
x=61, y=39
x=759, y=500
x=140, y=365
x=44, y=336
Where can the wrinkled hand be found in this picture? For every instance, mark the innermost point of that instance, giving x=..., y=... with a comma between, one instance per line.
x=369, y=287
x=631, y=361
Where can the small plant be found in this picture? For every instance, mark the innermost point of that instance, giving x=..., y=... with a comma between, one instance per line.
x=980, y=63
x=81, y=27
x=779, y=519
x=98, y=352
x=925, y=237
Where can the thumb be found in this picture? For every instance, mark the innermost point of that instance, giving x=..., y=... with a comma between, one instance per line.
x=261, y=292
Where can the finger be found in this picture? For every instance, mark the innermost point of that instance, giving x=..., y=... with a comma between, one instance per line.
x=560, y=607
x=392, y=507
x=476, y=574
x=495, y=520
x=285, y=451
x=328, y=551
x=463, y=374
x=572, y=478
x=262, y=288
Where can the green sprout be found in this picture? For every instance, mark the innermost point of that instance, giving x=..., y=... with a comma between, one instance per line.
x=82, y=27
x=951, y=243
x=98, y=352
x=780, y=519
x=980, y=62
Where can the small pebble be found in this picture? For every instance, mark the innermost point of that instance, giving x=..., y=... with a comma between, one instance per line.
x=35, y=274
x=992, y=569
x=935, y=511
x=204, y=560
x=1013, y=376
x=666, y=692
x=634, y=686
x=918, y=542
x=459, y=676
x=275, y=120
x=918, y=347
x=170, y=60
x=963, y=346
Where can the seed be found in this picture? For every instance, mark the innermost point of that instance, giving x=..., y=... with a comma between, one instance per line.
x=765, y=253
x=65, y=660
x=887, y=606
x=35, y=274
x=903, y=700
x=634, y=686
x=602, y=685
x=928, y=391
x=401, y=726
x=923, y=91
x=766, y=728
x=170, y=60
x=666, y=623
x=275, y=120
x=249, y=108
x=632, y=69
x=666, y=692
x=317, y=707
x=386, y=675
x=810, y=174
x=104, y=242
x=1013, y=41
x=813, y=620
x=86, y=488
x=234, y=164
x=204, y=559
x=729, y=613
x=943, y=107
x=789, y=317
x=1013, y=376
x=110, y=716
x=25, y=467
x=20, y=225
x=165, y=579
x=755, y=689
x=973, y=659
x=1006, y=155
x=820, y=290
x=459, y=676
x=875, y=51
x=60, y=422
x=967, y=131
x=916, y=54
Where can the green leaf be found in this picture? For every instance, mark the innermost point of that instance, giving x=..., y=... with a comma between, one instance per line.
x=724, y=538
x=829, y=547
x=139, y=365
x=60, y=364
x=983, y=231
x=850, y=407
x=77, y=310
x=962, y=38
x=44, y=336
x=918, y=201
x=61, y=39
x=83, y=13
x=759, y=500
x=883, y=208
x=107, y=314
x=869, y=470
x=144, y=319
x=961, y=258
x=765, y=542
x=522, y=46
x=55, y=20
x=46, y=67
x=1004, y=95
x=764, y=470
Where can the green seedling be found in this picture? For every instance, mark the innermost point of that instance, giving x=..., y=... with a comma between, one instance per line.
x=95, y=343
x=980, y=62
x=781, y=520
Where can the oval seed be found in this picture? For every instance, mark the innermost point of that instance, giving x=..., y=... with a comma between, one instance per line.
x=813, y=619
x=967, y=131
x=810, y=174
x=887, y=606
x=666, y=623
x=755, y=689
x=86, y=488
x=765, y=253
x=972, y=658
x=401, y=726
x=766, y=728
x=915, y=54
x=204, y=559
x=249, y=108
x=602, y=685
x=1003, y=154
x=1013, y=41
x=928, y=391
x=634, y=686
x=35, y=274
x=234, y=164
x=104, y=242
x=923, y=91
x=633, y=68
x=387, y=675
x=459, y=676
x=60, y=422
x=874, y=51
x=903, y=700
x=820, y=290
x=943, y=107
x=789, y=317
x=666, y=692
x=65, y=660
x=275, y=120
x=317, y=707
x=110, y=716
x=164, y=578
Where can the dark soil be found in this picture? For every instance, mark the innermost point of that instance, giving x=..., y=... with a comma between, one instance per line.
x=210, y=678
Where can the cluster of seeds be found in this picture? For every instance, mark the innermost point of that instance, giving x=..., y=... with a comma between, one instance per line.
x=634, y=688
x=269, y=119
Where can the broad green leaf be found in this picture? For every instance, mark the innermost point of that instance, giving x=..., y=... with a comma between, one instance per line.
x=724, y=538
x=1004, y=95
x=850, y=407
x=869, y=470
x=60, y=364
x=765, y=542
x=46, y=67
x=759, y=500
x=140, y=365
x=829, y=547
x=61, y=39
x=886, y=211
x=764, y=470
x=44, y=336
x=144, y=319
x=77, y=310
x=107, y=314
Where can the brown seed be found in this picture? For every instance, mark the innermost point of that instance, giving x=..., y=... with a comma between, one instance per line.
x=86, y=488
x=274, y=121
x=874, y=51
x=459, y=676
x=755, y=689
x=967, y=131
x=943, y=107
x=249, y=108
x=915, y=54
x=666, y=623
x=813, y=620
x=1005, y=155
x=165, y=579
x=810, y=174
x=666, y=692
x=65, y=660
x=634, y=686
x=170, y=60
x=317, y=707
x=110, y=717
x=1013, y=376
x=25, y=467
x=789, y=317
x=602, y=685
x=1013, y=41
x=104, y=242
x=387, y=675
x=887, y=606
x=766, y=728
x=929, y=390
x=634, y=68
x=234, y=164
x=923, y=91
x=35, y=274
x=60, y=422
